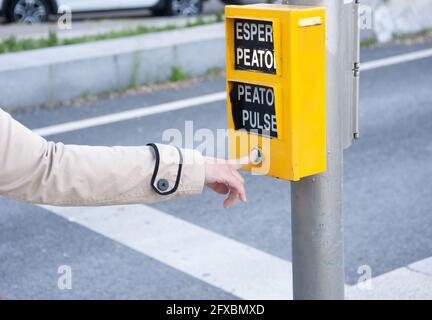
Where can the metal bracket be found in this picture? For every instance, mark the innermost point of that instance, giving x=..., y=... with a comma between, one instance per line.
x=356, y=70
x=350, y=71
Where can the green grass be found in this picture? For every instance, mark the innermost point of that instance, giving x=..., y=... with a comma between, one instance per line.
x=214, y=71
x=407, y=36
x=177, y=74
x=369, y=42
x=12, y=44
x=219, y=17
x=134, y=81
x=84, y=95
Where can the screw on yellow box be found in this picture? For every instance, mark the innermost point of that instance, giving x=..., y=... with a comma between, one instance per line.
x=276, y=103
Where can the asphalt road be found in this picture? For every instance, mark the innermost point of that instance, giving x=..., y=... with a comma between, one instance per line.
x=388, y=221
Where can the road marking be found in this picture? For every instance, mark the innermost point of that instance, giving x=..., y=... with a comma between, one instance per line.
x=130, y=114
x=225, y=263
x=402, y=58
x=197, y=101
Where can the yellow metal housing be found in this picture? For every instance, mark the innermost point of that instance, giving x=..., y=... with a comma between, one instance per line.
x=298, y=83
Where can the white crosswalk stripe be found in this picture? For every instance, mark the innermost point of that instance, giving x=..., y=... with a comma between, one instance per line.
x=225, y=263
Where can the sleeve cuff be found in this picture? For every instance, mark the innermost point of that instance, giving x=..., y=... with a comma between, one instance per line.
x=177, y=171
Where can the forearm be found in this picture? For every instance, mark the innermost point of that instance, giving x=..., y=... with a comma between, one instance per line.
x=35, y=170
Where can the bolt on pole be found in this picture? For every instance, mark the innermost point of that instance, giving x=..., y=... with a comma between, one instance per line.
x=316, y=201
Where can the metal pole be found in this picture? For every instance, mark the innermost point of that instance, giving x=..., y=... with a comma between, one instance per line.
x=316, y=201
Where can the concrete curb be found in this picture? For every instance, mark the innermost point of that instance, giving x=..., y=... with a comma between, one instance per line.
x=48, y=75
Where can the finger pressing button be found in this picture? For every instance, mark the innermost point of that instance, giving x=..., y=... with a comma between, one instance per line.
x=163, y=184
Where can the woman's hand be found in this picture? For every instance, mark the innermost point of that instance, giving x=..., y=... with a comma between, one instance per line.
x=223, y=177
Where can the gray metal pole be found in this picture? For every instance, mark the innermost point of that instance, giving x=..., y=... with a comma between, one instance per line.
x=316, y=201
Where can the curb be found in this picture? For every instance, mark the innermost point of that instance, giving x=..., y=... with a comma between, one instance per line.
x=55, y=74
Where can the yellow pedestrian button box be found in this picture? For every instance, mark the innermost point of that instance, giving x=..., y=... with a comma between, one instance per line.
x=275, y=69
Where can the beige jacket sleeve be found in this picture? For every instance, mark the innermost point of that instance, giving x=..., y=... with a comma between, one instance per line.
x=35, y=170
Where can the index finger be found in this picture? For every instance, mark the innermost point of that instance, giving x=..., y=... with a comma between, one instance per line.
x=251, y=158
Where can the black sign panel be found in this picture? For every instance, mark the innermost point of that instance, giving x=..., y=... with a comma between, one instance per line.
x=253, y=46
x=253, y=108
